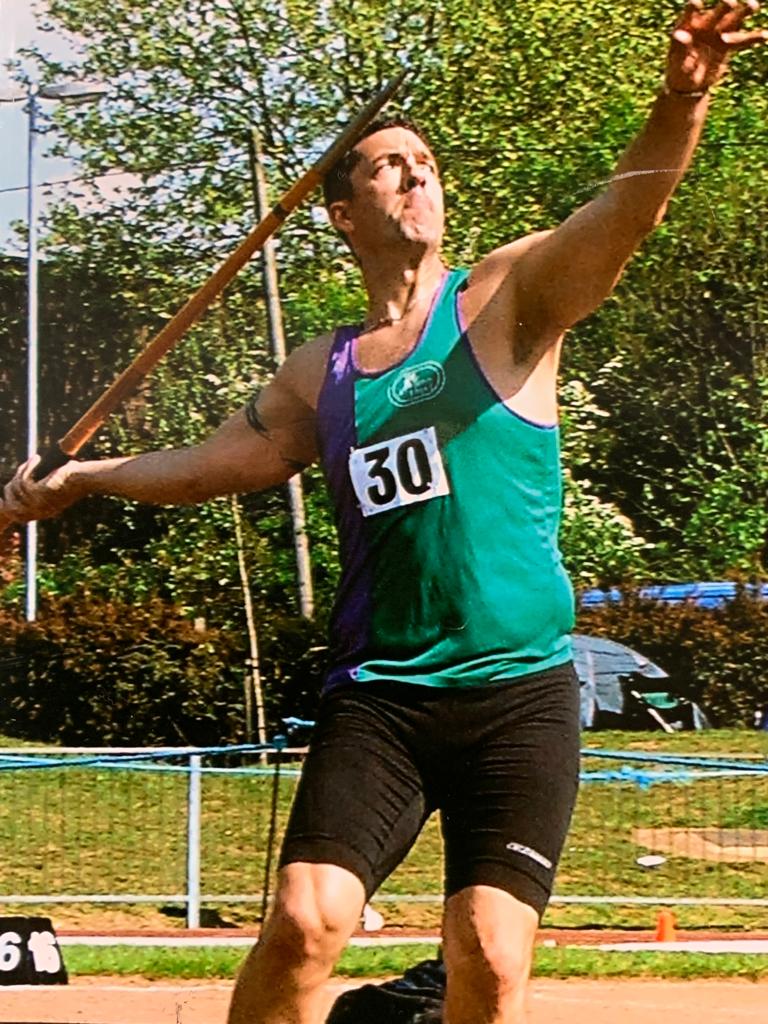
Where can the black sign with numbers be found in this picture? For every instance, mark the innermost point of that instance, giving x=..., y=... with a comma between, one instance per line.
x=29, y=952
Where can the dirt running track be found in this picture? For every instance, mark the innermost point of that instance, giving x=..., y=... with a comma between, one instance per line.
x=122, y=1001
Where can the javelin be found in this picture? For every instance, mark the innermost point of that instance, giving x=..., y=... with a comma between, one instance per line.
x=69, y=445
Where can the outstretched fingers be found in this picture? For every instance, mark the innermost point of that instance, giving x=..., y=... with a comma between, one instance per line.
x=727, y=16
x=744, y=40
x=730, y=15
x=704, y=37
x=731, y=22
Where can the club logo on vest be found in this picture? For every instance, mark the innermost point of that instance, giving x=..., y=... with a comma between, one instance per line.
x=416, y=384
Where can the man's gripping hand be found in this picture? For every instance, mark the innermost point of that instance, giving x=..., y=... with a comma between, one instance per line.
x=25, y=498
x=703, y=41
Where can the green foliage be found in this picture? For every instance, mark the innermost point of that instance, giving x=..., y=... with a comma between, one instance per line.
x=92, y=672
x=599, y=542
x=528, y=106
x=717, y=656
x=105, y=671
x=676, y=485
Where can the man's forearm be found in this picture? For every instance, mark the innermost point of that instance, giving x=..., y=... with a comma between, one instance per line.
x=654, y=163
x=174, y=477
x=233, y=460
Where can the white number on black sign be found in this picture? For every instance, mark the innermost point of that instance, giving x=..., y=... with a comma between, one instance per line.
x=45, y=953
x=42, y=946
x=401, y=471
x=10, y=951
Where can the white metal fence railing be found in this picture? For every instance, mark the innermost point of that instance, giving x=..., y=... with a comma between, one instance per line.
x=191, y=828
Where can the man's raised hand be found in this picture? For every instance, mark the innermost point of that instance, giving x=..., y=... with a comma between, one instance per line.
x=703, y=40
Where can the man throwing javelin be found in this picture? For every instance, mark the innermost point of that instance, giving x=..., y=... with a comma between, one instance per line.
x=450, y=686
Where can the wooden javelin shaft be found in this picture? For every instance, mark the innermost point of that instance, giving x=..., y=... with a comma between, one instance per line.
x=193, y=309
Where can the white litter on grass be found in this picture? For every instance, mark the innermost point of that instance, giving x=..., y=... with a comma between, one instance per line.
x=372, y=919
x=651, y=860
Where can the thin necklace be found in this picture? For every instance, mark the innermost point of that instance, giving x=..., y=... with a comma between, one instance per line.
x=387, y=321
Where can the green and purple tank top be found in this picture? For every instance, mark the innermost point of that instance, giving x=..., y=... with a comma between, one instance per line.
x=448, y=508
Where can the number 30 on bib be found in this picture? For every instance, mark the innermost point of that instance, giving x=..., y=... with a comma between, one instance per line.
x=401, y=471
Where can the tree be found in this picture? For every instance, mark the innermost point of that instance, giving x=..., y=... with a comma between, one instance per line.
x=676, y=358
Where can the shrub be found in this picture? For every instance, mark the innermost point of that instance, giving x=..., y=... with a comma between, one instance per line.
x=716, y=656
x=97, y=672
x=92, y=671
x=102, y=673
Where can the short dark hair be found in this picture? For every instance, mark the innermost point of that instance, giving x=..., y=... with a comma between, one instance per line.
x=336, y=183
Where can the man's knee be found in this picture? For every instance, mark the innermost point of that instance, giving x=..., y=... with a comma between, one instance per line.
x=314, y=914
x=495, y=966
x=488, y=944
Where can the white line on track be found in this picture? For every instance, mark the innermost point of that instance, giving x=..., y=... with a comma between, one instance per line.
x=202, y=941
x=735, y=946
x=142, y=986
x=690, y=946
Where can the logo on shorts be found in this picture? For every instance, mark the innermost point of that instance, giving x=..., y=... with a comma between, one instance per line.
x=526, y=851
x=416, y=384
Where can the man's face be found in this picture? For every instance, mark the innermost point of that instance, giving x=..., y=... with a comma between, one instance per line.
x=396, y=194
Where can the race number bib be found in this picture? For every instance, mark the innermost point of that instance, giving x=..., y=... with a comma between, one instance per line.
x=401, y=471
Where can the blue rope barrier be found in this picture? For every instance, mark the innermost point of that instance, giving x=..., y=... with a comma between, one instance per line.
x=125, y=760
x=687, y=760
x=644, y=780
x=693, y=767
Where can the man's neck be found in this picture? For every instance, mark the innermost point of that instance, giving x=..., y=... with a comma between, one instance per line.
x=397, y=288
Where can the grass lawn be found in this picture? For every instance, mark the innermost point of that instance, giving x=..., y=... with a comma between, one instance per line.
x=104, y=830
x=381, y=962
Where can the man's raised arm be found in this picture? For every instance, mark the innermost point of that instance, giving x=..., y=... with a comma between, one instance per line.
x=264, y=444
x=563, y=275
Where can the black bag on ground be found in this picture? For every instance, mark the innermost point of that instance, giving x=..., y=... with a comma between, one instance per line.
x=416, y=998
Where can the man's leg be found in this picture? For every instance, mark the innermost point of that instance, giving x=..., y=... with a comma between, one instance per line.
x=488, y=938
x=506, y=797
x=357, y=811
x=316, y=910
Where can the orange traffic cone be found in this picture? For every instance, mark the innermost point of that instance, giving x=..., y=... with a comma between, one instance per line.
x=665, y=927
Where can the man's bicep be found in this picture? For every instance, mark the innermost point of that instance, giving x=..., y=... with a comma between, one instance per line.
x=564, y=274
x=267, y=442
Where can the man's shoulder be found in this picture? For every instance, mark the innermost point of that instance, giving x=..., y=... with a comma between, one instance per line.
x=304, y=369
x=504, y=259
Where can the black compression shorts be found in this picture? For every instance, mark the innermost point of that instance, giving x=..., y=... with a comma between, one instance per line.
x=500, y=763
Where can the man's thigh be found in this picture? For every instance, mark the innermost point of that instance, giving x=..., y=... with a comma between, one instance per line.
x=508, y=803
x=360, y=802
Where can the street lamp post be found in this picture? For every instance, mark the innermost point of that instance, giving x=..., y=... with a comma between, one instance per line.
x=73, y=93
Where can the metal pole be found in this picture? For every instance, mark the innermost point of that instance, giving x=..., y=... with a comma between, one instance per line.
x=194, y=816
x=277, y=338
x=30, y=565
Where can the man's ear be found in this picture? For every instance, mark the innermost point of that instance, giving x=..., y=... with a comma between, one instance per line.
x=338, y=214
